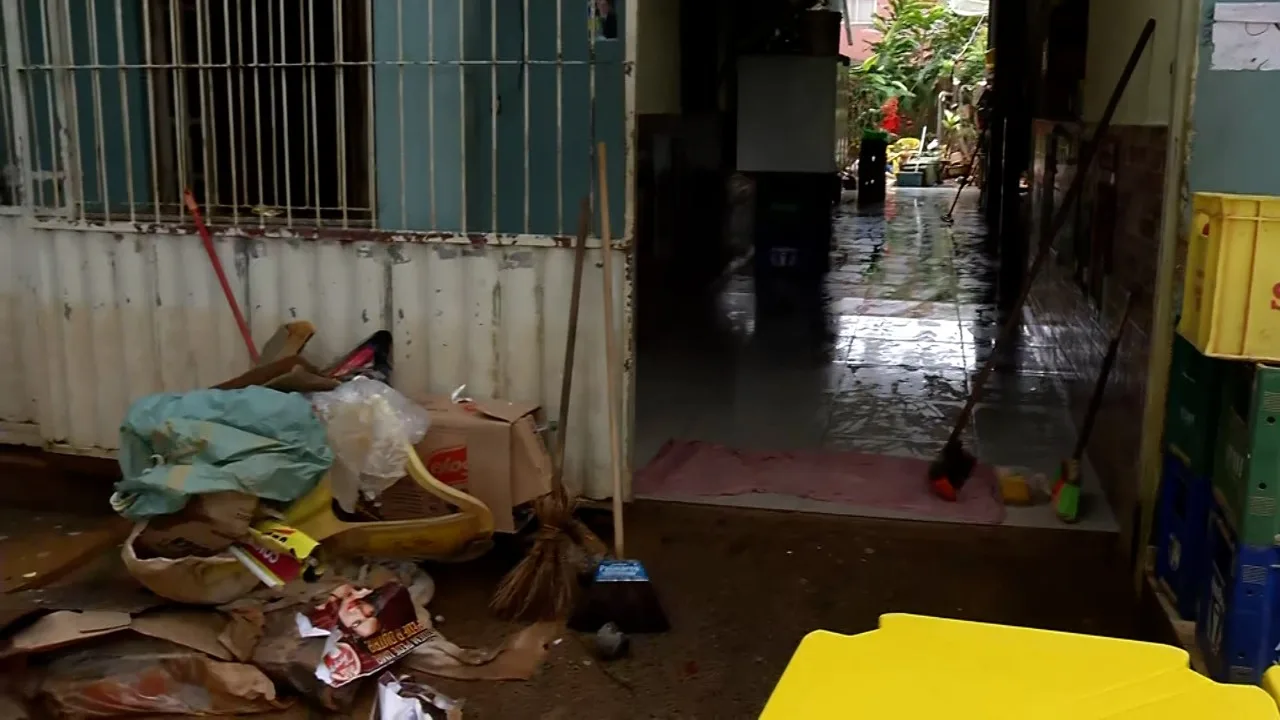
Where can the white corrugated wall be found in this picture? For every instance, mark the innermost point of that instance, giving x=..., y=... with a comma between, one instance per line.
x=96, y=319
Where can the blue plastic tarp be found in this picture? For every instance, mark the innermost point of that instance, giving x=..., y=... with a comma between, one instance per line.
x=255, y=441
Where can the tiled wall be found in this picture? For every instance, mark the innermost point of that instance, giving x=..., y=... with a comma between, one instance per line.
x=1132, y=160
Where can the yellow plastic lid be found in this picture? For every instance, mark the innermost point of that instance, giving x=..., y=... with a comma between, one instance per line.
x=921, y=667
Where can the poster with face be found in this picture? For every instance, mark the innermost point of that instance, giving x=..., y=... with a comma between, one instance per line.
x=368, y=629
x=603, y=19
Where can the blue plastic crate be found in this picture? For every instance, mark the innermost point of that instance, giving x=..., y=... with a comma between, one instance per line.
x=1182, y=528
x=1238, y=627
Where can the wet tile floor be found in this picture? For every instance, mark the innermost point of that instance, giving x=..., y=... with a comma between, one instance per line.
x=907, y=321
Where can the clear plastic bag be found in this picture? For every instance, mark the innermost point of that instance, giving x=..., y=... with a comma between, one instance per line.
x=371, y=428
x=400, y=698
x=142, y=676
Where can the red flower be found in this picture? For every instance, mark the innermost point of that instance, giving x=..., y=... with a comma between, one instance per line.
x=891, y=122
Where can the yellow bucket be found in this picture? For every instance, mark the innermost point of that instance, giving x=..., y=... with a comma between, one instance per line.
x=1231, y=294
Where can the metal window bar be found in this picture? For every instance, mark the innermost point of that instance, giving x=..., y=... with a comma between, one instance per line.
x=47, y=86
x=232, y=99
x=36, y=186
x=10, y=171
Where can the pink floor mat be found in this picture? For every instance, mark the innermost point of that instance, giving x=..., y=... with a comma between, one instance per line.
x=689, y=470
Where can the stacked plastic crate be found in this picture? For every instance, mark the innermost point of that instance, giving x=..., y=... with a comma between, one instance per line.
x=1186, y=492
x=1238, y=625
x=1231, y=312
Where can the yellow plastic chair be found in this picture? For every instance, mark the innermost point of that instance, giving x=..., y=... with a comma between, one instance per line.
x=463, y=535
x=1271, y=683
x=922, y=667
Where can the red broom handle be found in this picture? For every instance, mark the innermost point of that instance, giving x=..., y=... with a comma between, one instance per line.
x=207, y=238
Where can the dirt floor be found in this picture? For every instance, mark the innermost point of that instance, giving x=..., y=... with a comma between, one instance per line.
x=742, y=587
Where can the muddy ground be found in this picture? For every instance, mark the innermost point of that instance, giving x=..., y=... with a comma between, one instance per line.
x=743, y=587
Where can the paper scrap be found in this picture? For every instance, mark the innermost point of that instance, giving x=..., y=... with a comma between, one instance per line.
x=1247, y=12
x=367, y=630
x=1246, y=36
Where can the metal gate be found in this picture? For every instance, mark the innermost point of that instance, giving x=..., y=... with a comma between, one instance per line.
x=409, y=164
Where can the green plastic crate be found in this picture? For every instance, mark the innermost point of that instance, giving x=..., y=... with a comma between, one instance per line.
x=1191, y=416
x=1246, y=477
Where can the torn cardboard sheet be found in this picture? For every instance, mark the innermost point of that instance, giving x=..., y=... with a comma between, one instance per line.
x=1246, y=36
x=197, y=630
x=289, y=340
x=367, y=630
x=246, y=624
x=118, y=593
x=487, y=448
x=288, y=374
x=518, y=658
x=399, y=698
x=62, y=628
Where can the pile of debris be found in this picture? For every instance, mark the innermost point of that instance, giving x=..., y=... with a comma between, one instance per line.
x=272, y=565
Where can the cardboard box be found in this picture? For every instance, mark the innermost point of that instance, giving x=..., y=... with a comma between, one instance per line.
x=490, y=449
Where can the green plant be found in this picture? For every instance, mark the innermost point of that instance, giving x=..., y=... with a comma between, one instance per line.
x=923, y=49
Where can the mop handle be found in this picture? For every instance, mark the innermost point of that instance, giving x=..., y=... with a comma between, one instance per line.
x=190, y=199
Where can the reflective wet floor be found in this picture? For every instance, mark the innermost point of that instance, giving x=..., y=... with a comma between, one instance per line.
x=882, y=365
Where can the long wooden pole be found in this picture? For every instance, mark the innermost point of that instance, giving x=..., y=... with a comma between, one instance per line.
x=1185, y=59
x=1087, y=154
x=612, y=358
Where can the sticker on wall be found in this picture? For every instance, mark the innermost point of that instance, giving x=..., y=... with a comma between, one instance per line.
x=1246, y=36
x=602, y=19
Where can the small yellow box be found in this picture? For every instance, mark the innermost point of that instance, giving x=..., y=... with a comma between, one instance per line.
x=1231, y=296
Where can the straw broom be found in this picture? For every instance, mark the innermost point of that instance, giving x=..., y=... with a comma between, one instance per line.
x=543, y=586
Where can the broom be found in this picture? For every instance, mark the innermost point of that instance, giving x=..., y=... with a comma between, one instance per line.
x=620, y=591
x=1066, y=489
x=951, y=469
x=544, y=584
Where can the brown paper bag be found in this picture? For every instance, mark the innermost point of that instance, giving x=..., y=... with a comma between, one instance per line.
x=208, y=525
x=192, y=580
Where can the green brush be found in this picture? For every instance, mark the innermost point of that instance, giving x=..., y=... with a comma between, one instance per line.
x=1066, y=491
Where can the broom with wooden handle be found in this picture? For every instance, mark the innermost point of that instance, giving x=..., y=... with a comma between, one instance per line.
x=951, y=469
x=544, y=585
x=1066, y=489
x=621, y=592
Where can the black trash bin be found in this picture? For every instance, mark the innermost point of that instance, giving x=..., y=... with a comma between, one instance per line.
x=792, y=235
x=872, y=162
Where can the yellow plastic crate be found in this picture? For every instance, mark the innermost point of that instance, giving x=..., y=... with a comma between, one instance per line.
x=916, y=667
x=1231, y=297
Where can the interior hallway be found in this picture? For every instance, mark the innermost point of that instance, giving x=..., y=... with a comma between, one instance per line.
x=882, y=365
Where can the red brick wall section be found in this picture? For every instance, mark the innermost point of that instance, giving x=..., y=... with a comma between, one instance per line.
x=1132, y=158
